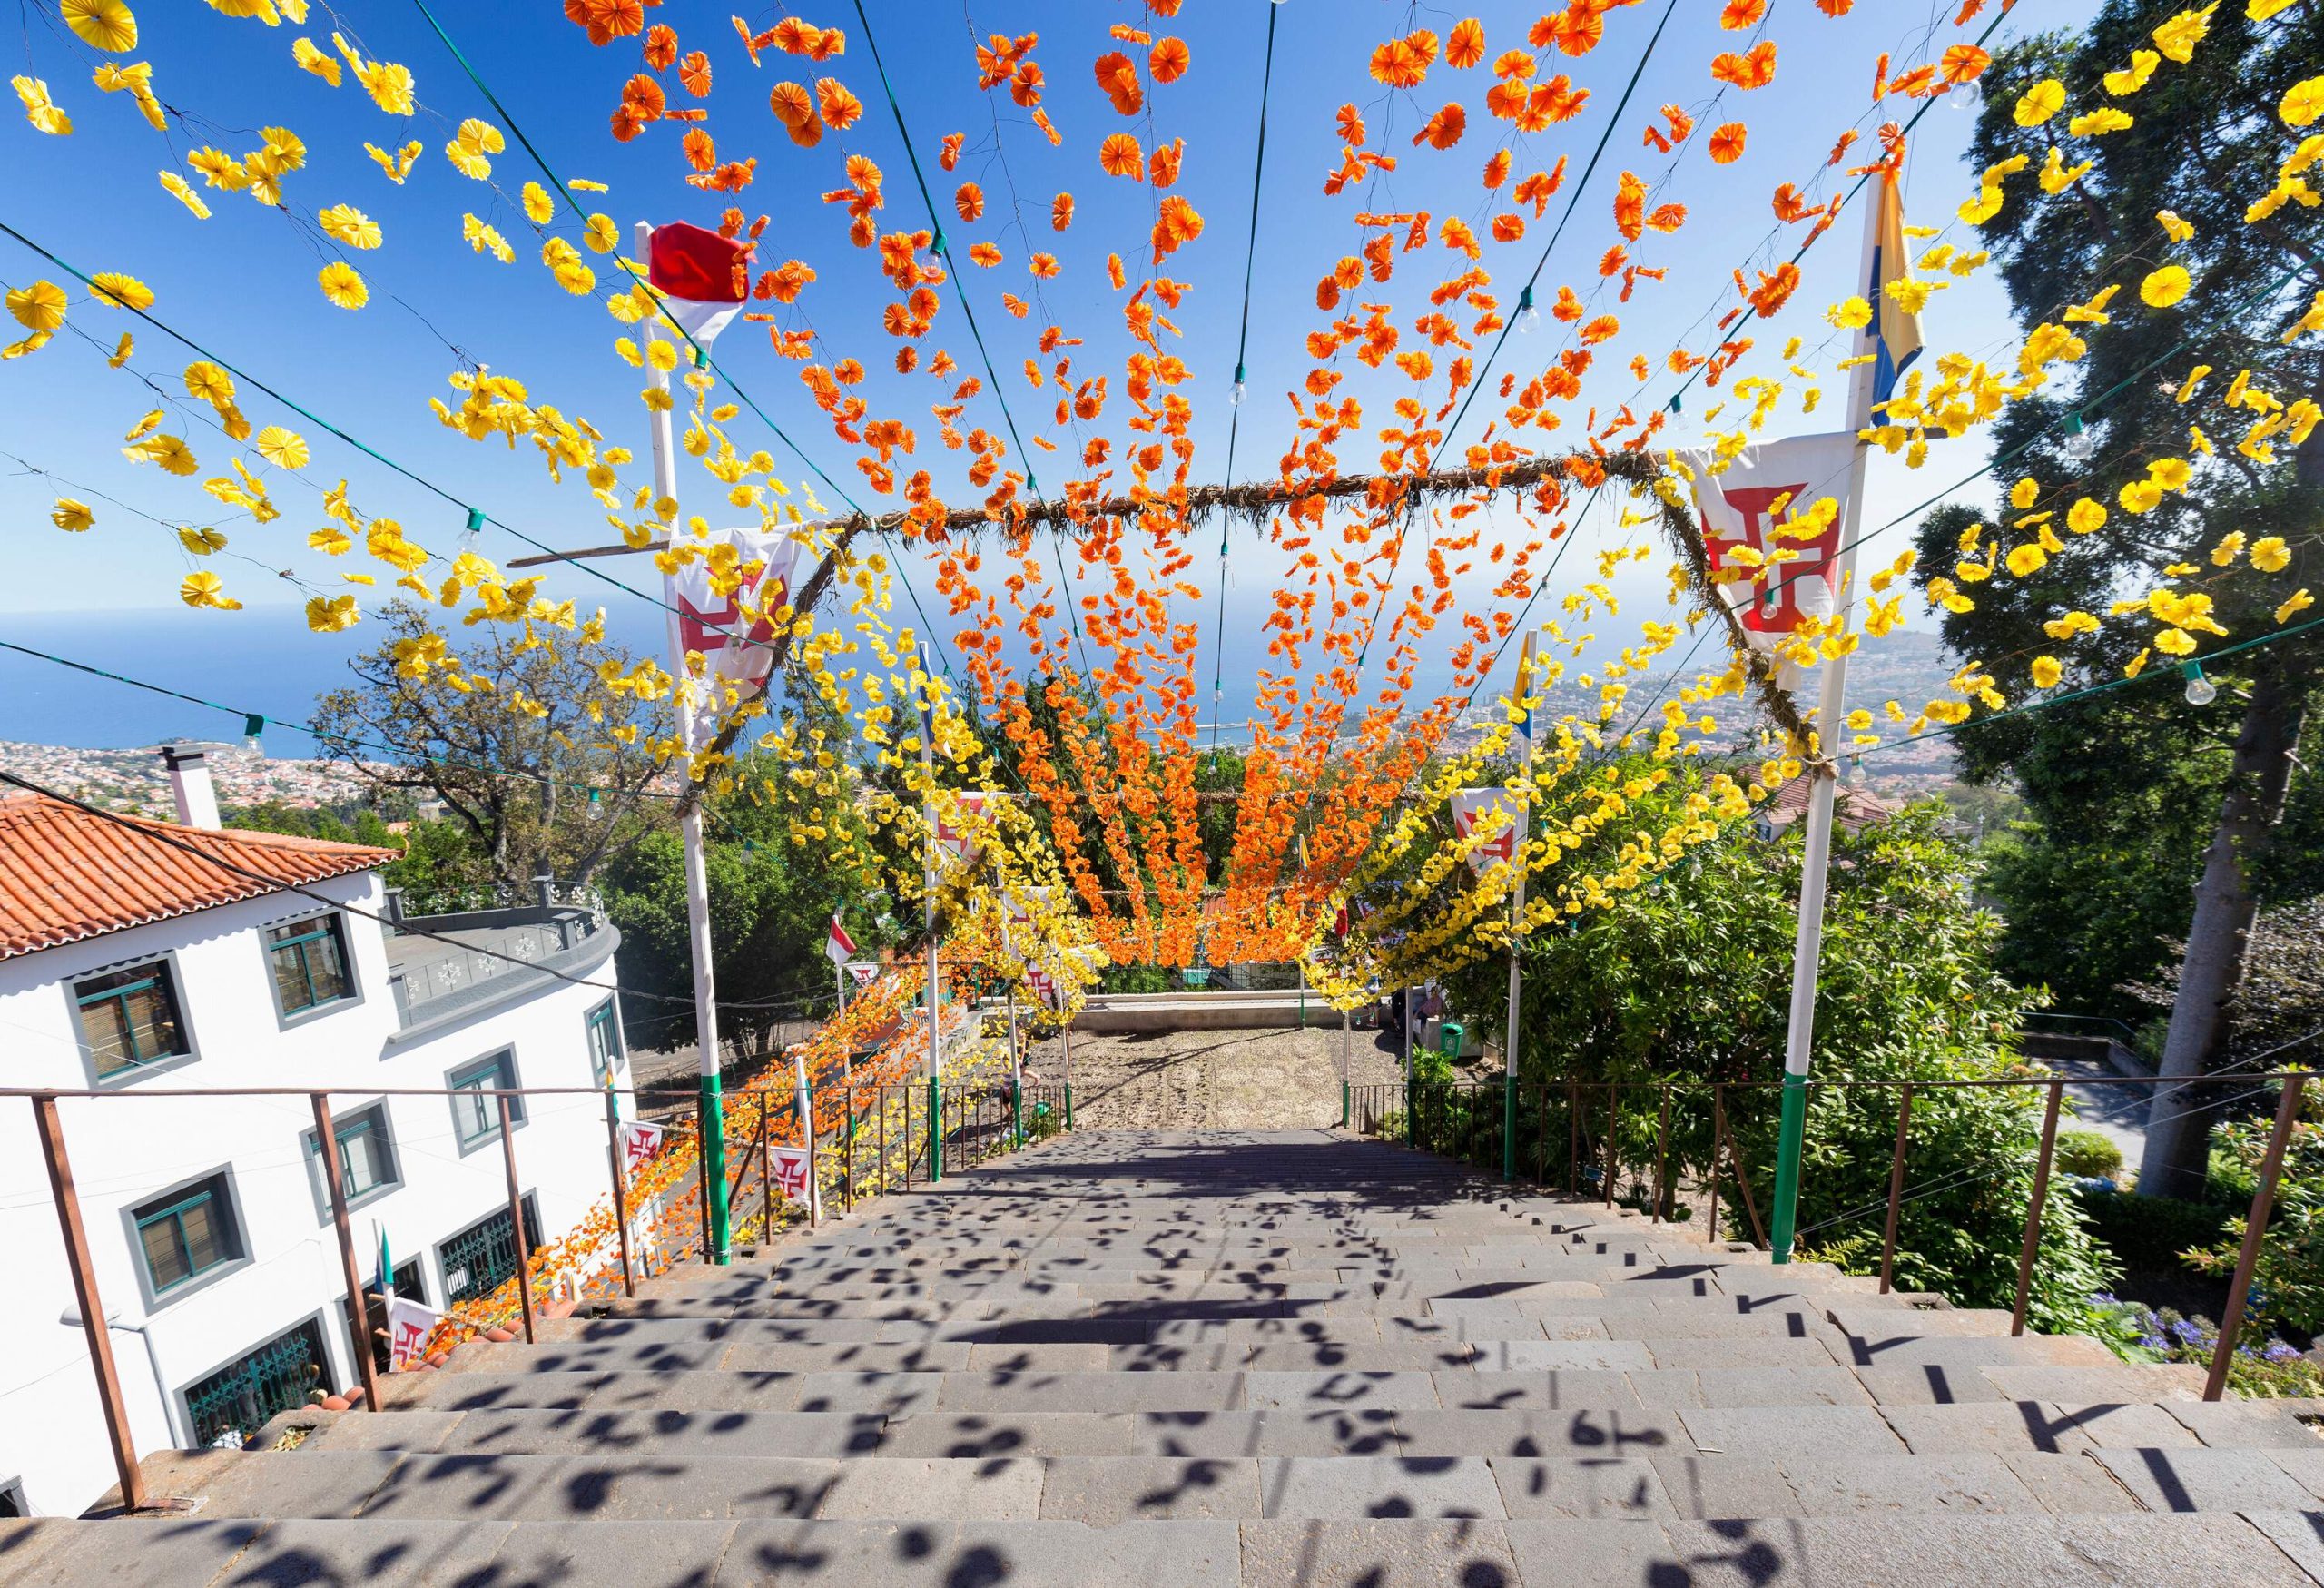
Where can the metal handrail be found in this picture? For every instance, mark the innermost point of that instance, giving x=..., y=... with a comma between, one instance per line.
x=980, y=1131
x=1447, y=1117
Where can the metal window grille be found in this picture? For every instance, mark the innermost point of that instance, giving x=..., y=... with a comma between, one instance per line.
x=482, y=1256
x=228, y=1405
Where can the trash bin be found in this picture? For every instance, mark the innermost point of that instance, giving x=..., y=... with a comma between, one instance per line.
x=1450, y=1036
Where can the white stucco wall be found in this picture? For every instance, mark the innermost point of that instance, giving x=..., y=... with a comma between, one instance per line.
x=126, y=1149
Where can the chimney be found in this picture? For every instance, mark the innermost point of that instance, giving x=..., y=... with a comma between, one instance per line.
x=190, y=786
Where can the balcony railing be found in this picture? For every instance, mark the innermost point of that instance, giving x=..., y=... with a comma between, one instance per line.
x=466, y=957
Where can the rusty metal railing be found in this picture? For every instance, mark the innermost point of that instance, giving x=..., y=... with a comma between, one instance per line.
x=1466, y=1120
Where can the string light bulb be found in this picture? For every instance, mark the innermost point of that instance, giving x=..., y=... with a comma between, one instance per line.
x=1963, y=97
x=253, y=725
x=473, y=531
x=1237, y=395
x=596, y=810
x=2078, y=446
x=1528, y=319
x=2201, y=691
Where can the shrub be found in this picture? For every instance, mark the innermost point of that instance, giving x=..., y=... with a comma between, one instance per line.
x=2138, y=1333
x=2287, y=1281
x=2088, y=1154
x=2149, y=1232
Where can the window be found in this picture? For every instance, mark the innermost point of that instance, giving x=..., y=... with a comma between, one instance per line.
x=228, y=1405
x=367, y=1161
x=309, y=962
x=129, y=1017
x=481, y=1257
x=604, y=1044
x=187, y=1233
x=475, y=1118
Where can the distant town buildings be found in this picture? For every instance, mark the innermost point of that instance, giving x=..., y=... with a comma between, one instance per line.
x=134, y=780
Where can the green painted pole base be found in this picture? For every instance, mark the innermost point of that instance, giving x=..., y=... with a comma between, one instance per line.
x=935, y=1130
x=713, y=1168
x=1343, y=1105
x=1785, y=1218
x=1068, y=1105
x=1508, y=1128
x=1017, y=1112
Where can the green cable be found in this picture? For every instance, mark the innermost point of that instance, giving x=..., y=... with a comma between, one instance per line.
x=2252, y=644
x=1242, y=346
x=475, y=514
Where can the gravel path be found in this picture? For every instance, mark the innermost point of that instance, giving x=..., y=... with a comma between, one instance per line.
x=1269, y=1080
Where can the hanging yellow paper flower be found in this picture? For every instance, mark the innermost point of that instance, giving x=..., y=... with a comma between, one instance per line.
x=204, y=588
x=2271, y=555
x=283, y=448
x=220, y=169
x=329, y=542
x=2300, y=601
x=120, y=352
x=2302, y=102
x=2025, y=493
x=602, y=234
x=2027, y=559
x=202, y=542
x=212, y=384
x=330, y=614
x=2178, y=38
x=169, y=453
x=342, y=285
x=71, y=516
x=347, y=224
x=2040, y=103
x=2046, y=672
x=538, y=207
x=2165, y=287
x=39, y=307
x=146, y=426
x=184, y=191
x=310, y=59
x=1849, y=315
x=2098, y=123
x=484, y=239
x=106, y=24
x=2086, y=516
x=398, y=165
x=389, y=85
x=120, y=291
x=2133, y=77
x=40, y=110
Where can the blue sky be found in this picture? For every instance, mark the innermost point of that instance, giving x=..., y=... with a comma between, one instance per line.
x=242, y=282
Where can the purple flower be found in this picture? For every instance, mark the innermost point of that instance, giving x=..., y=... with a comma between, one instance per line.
x=2279, y=1351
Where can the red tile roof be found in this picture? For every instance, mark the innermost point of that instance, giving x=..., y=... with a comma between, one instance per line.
x=66, y=874
x=1856, y=806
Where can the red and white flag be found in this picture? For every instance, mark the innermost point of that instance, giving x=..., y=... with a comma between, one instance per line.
x=1497, y=815
x=639, y=1141
x=703, y=279
x=1044, y=986
x=838, y=947
x=864, y=972
x=1745, y=509
x=957, y=833
x=794, y=1169
x=736, y=646
x=409, y=1326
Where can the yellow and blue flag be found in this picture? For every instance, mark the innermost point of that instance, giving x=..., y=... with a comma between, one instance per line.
x=1895, y=331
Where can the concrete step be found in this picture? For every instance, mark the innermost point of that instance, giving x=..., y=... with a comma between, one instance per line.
x=2259, y=1549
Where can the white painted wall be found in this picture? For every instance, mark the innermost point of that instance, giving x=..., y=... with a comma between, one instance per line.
x=126, y=1149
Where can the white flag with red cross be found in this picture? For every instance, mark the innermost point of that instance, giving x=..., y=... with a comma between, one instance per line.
x=1773, y=573
x=864, y=972
x=639, y=1141
x=701, y=279
x=793, y=1171
x=1495, y=815
x=1044, y=985
x=734, y=632
x=409, y=1326
x=958, y=830
x=838, y=947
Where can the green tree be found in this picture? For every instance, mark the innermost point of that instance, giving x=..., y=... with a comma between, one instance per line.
x=1687, y=981
x=441, y=868
x=2206, y=144
x=518, y=735
x=771, y=899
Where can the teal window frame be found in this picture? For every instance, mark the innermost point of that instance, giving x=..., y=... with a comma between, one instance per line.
x=369, y=1121
x=606, y=1051
x=317, y=928
x=225, y=1245
x=158, y=976
x=495, y=1072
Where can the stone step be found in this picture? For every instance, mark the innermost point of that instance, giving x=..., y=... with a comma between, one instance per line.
x=2260, y=1549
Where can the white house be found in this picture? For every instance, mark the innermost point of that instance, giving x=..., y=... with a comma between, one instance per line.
x=130, y=966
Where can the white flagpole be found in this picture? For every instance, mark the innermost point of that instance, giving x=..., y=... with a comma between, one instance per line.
x=706, y=1001
x=1517, y=920
x=1824, y=774
x=1016, y=1067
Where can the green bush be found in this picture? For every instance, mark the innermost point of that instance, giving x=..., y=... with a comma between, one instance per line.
x=2147, y=1232
x=2089, y=1155
x=2287, y=1284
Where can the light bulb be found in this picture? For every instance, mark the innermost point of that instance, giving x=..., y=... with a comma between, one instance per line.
x=1529, y=321
x=2078, y=446
x=1963, y=97
x=253, y=725
x=2201, y=691
x=595, y=810
x=1236, y=397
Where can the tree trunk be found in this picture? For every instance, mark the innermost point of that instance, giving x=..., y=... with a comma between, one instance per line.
x=2178, y=1131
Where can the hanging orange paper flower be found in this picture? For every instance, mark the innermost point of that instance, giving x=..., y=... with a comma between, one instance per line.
x=1727, y=142
x=1169, y=60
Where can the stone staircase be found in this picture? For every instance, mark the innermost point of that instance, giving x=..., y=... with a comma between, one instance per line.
x=1146, y=1360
